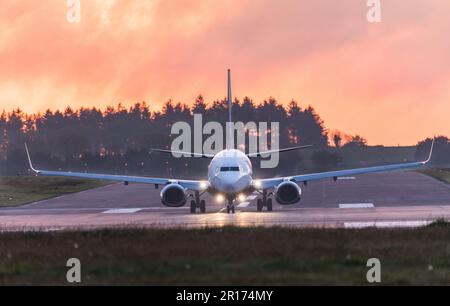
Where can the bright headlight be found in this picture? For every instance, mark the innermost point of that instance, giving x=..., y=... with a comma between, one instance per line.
x=203, y=185
x=220, y=198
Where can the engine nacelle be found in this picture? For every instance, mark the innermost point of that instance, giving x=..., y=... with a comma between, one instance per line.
x=173, y=195
x=288, y=193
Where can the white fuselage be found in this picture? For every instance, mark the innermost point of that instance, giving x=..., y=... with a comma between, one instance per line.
x=230, y=172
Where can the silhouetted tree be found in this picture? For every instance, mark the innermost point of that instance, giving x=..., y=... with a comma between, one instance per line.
x=118, y=138
x=336, y=137
x=326, y=160
x=356, y=141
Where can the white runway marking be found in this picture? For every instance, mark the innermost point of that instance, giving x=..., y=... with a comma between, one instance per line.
x=357, y=205
x=346, y=178
x=122, y=211
x=243, y=204
x=220, y=210
x=387, y=224
x=251, y=197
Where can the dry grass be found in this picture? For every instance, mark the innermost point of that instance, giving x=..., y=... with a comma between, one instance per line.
x=21, y=190
x=228, y=256
x=440, y=174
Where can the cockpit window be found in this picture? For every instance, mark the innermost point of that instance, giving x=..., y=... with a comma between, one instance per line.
x=226, y=169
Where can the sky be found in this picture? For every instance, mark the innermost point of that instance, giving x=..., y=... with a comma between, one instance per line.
x=387, y=81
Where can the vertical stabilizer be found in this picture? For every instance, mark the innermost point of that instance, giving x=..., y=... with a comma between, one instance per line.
x=229, y=95
x=229, y=126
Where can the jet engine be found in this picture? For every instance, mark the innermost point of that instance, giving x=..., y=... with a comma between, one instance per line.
x=288, y=193
x=173, y=195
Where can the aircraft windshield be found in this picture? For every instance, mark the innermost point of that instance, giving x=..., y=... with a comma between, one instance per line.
x=226, y=169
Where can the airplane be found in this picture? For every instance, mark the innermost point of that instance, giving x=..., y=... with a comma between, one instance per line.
x=230, y=178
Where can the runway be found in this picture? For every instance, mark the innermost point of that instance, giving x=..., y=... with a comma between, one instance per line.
x=402, y=199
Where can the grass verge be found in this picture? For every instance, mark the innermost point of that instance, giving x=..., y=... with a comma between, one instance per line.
x=439, y=174
x=228, y=256
x=26, y=189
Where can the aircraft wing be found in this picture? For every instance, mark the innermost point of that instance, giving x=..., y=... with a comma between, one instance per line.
x=188, y=184
x=273, y=182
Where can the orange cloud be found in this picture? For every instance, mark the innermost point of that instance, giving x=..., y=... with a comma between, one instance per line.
x=378, y=80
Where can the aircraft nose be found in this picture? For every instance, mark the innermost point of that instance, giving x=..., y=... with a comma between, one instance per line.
x=229, y=186
x=235, y=183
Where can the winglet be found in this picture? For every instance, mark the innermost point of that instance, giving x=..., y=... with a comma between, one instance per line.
x=431, y=151
x=29, y=159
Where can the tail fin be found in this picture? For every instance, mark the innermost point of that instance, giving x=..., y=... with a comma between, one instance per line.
x=229, y=95
x=229, y=130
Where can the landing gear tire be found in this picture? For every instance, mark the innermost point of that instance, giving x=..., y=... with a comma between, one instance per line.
x=269, y=204
x=259, y=205
x=230, y=207
x=202, y=206
x=193, y=206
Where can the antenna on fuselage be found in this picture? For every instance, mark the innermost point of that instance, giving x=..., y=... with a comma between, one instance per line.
x=229, y=130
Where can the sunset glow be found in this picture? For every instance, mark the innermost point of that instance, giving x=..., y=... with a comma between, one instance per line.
x=388, y=81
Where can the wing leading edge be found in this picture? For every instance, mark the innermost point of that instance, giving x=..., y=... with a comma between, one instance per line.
x=273, y=182
x=188, y=184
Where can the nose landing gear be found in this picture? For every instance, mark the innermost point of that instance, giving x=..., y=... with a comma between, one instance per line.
x=230, y=207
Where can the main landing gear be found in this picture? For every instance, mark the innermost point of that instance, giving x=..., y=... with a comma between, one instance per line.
x=264, y=202
x=197, y=203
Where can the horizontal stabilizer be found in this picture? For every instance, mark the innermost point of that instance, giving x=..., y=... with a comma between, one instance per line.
x=259, y=154
x=192, y=154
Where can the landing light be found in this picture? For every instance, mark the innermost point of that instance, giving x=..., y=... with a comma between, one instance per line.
x=241, y=198
x=257, y=184
x=203, y=185
x=220, y=198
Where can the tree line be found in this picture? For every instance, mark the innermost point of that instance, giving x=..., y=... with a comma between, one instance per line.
x=117, y=139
